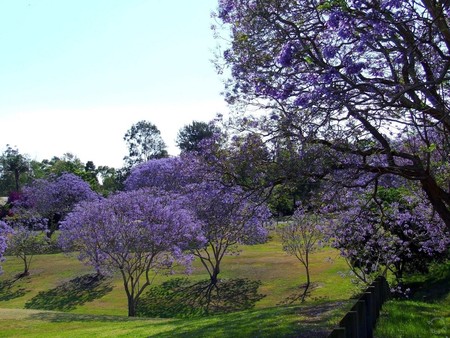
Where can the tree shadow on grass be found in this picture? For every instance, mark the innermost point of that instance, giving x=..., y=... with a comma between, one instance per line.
x=297, y=296
x=63, y=317
x=71, y=294
x=180, y=298
x=9, y=290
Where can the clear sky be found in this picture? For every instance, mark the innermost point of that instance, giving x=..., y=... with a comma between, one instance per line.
x=76, y=74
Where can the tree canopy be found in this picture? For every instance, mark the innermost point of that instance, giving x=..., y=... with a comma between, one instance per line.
x=190, y=136
x=364, y=82
x=144, y=143
x=53, y=198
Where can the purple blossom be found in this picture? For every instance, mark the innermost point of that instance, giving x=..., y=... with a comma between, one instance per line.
x=53, y=198
x=5, y=231
x=286, y=54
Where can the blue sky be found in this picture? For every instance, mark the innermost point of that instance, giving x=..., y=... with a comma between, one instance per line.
x=76, y=74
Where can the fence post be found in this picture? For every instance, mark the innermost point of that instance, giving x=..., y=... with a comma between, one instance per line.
x=368, y=300
x=361, y=319
x=338, y=332
x=350, y=322
x=360, y=308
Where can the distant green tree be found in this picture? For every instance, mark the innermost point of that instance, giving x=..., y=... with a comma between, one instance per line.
x=111, y=179
x=144, y=143
x=12, y=166
x=68, y=163
x=190, y=136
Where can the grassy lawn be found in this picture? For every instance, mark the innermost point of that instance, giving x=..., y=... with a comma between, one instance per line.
x=425, y=314
x=60, y=299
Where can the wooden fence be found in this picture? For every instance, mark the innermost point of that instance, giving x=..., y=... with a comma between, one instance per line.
x=360, y=321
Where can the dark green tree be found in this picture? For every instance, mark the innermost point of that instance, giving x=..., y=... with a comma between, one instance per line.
x=144, y=143
x=12, y=166
x=190, y=136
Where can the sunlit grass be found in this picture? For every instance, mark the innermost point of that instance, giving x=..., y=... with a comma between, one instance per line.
x=104, y=313
x=426, y=314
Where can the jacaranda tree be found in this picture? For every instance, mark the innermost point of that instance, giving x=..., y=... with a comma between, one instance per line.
x=138, y=233
x=5, y=230
x=25, y=242
x=394, y=229
x=228, y=217
x=53, y=198
x=351, y=76
x=227, y=214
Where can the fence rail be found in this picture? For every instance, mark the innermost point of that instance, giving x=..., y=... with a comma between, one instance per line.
x=360, y=321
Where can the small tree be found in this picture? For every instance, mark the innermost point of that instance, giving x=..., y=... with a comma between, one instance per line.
x=387, y=226
x=138, y=233
x=300, y=238
x=24, y=243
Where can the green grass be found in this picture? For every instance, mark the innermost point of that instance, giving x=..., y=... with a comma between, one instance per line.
x=77, y=307
x=425, y=314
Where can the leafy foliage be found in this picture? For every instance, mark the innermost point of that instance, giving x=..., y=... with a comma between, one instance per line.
x=190, y=136
x=144, y=142
x=12, y=167
x=380, y=228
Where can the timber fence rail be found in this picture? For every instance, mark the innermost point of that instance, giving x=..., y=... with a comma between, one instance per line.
x=360, y=321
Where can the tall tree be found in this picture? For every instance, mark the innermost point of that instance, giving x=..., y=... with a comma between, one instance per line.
x=144, y=143
x=137, y=233
x=15, y=164
x=351, y=76
x=190, y=136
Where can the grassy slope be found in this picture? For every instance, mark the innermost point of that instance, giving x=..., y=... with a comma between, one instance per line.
x=425, y=314
x=101, y=310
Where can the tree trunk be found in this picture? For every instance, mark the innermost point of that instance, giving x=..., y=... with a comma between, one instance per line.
x=215, y=273
x=16, y=179
x=440, y=199
x=308, y=283
x=131, y=306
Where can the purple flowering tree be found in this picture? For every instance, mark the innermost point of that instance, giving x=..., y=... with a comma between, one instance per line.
x=138, y=233
x=349, y=76
x=25, y=242
x=5, y=230
x=53, y=198
x=386, y=227
x=228, y=217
